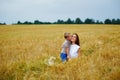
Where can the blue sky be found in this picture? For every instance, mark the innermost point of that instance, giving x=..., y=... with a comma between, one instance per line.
x=50, y=10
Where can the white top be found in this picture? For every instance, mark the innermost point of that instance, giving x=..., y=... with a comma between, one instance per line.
x=65, y=45
x=74, y=50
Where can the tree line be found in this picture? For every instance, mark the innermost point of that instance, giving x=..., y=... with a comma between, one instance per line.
x=76, y=21
x=2, y=23
x=70, y=21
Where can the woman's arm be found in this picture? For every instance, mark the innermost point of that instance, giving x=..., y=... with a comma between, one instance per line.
x=79, y=53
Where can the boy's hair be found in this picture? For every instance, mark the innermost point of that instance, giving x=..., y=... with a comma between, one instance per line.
x=66, y=35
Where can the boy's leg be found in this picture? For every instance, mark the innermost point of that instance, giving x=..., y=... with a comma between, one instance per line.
x=63, y=57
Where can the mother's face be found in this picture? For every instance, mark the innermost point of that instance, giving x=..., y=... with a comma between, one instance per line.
x=73, y=38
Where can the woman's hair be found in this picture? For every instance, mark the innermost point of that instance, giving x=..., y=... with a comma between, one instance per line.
x=77, y=39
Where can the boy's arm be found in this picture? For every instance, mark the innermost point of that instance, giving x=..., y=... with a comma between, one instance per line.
x=67, y=50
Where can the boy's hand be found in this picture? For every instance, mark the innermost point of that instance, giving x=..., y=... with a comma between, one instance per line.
x=68, y=56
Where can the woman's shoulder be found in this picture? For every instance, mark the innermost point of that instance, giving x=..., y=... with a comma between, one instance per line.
x=75, y=45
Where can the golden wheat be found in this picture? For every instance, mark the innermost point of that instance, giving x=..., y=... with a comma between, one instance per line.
x=25, y=48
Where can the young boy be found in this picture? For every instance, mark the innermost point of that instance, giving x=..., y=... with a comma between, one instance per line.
x=65, y=47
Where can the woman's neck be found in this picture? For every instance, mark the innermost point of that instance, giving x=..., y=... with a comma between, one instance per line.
x=73, y=42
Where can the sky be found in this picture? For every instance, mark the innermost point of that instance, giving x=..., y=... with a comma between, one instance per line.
x=12, y=11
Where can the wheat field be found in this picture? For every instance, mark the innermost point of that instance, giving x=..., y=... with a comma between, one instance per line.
x=24, y=50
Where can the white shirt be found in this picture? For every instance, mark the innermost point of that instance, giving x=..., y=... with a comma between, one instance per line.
x=74, y=50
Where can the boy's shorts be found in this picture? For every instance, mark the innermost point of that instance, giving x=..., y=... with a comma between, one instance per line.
x=63, y=56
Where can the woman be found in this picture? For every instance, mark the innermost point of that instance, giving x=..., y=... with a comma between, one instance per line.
x=74, y=51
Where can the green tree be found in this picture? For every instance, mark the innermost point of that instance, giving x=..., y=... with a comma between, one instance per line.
x=26, y=22
x=2, y=23
x=113, y=21
x=89, y=21
x=97, y=22
x=118, y=21
x=78, y=21
x=69, y=21
x=60, y=21
x=107, y=21
x=19, y=22
x=36, y=22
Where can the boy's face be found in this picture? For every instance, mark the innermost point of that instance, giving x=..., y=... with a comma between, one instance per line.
x=69, y=37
